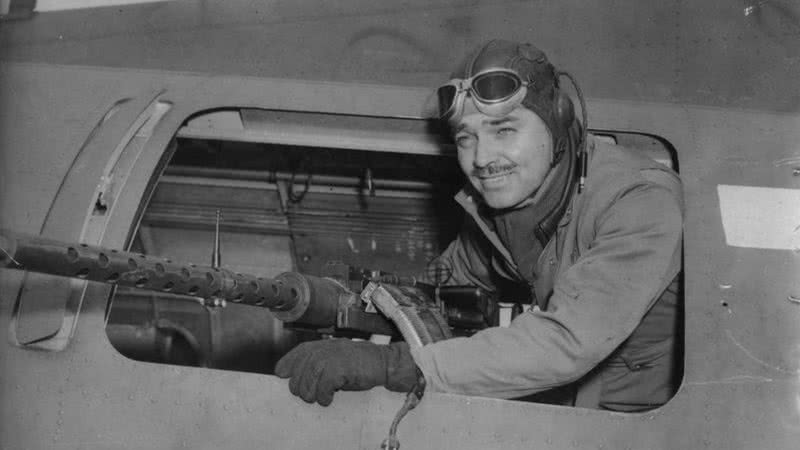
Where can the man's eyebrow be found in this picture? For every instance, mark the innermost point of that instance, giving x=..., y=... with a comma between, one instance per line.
x=501, y=121
x=488, y=122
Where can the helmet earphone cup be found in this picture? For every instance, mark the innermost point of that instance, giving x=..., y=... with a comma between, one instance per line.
x=564, y=116
x=564, y=110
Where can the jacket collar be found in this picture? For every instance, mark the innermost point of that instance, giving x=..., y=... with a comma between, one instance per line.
x=469, y=201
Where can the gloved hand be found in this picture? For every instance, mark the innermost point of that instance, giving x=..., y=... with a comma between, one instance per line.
x=317, y=369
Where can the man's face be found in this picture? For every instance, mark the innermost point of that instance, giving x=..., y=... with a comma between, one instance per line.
x=505, y=158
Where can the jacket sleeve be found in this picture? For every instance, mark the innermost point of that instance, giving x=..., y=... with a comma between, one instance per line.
x=468, y=259
x=596, y=304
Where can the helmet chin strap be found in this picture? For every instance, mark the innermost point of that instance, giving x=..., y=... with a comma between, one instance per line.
x=547, y=226
x=584, y=132
x=558, y=151
x=577, y=160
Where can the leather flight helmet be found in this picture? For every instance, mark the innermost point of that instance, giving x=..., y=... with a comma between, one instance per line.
x=543, y=96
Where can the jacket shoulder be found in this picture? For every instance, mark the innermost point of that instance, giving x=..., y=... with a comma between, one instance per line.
x=613, y=167
x=615, y=170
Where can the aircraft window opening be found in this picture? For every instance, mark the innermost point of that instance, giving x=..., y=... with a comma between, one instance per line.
x=297, y=192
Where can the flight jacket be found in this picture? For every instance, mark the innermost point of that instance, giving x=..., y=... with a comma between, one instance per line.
x=607, y=289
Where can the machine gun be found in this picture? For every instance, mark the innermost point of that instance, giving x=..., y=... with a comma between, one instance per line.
x=345, y=299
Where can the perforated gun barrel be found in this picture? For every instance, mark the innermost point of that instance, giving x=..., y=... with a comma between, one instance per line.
x=291, y=296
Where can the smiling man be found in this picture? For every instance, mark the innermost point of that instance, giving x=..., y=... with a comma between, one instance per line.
x=593, y=229
x=505, y=159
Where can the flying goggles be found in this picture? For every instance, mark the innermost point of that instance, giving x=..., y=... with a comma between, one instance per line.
x=495, y=92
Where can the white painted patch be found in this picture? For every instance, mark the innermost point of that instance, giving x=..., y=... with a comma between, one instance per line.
x=760, y=217
x=61, y=5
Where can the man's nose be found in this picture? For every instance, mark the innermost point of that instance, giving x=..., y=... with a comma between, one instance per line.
x=486, y=153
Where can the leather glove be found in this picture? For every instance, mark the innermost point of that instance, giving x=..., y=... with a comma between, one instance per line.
x=317, y=369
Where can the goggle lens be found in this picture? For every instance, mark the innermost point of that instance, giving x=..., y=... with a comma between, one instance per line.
x=495, y=86
x=447, y=98
x=487, y=88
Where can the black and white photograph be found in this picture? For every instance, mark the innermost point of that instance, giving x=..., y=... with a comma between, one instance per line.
x=408, y=224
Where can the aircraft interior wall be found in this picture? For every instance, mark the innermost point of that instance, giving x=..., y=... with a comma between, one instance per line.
x=282, y=208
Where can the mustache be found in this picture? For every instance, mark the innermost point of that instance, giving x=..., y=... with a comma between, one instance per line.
x=492, y=169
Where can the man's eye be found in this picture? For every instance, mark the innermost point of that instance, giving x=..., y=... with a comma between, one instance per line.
x=505, y=131
x=463, y=140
